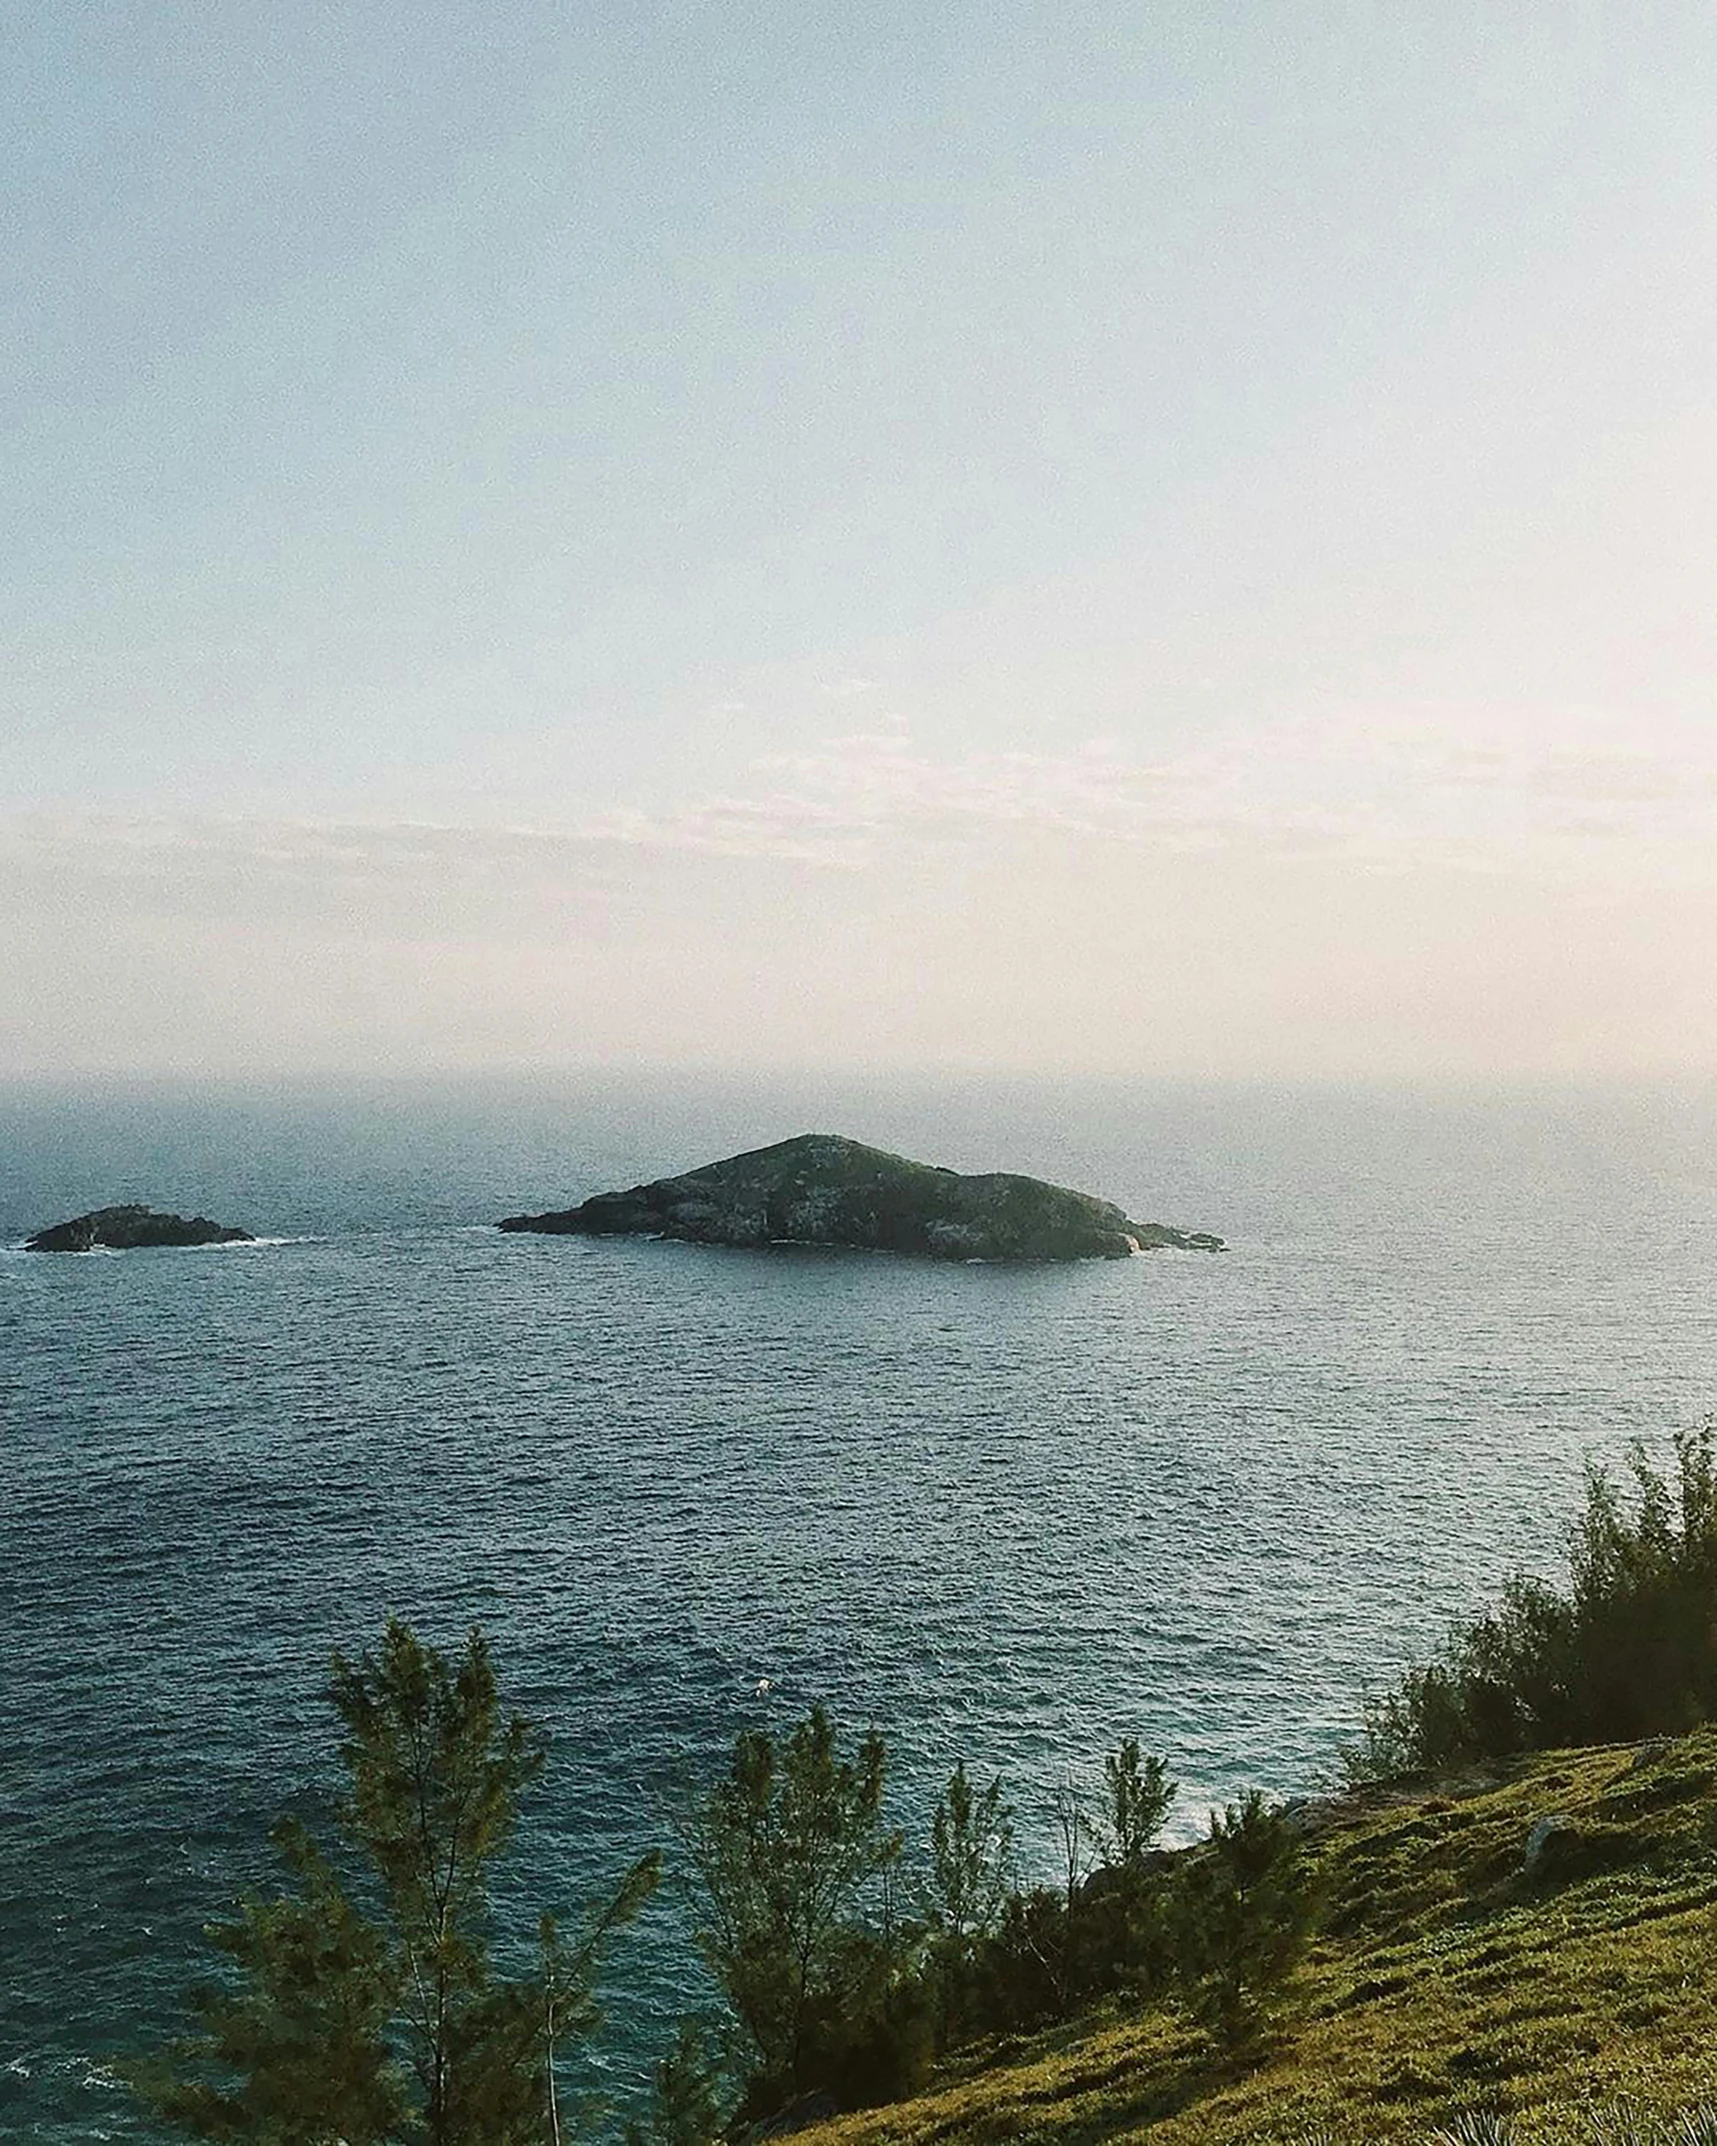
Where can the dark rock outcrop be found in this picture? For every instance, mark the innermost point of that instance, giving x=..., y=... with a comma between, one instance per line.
x=131, y=1229
x=819, y=1189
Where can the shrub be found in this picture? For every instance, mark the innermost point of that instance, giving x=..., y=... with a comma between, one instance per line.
x=1243, y=1912
x=789, y=1851
x=1037, y=1955
x=1122, y=1901
x=1018, y=1976
x=971, y=1860
x=687, y=2105
x=1628, y=1649
x=365, y=2005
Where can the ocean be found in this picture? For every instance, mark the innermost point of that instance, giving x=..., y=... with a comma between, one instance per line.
x=1005, y=1514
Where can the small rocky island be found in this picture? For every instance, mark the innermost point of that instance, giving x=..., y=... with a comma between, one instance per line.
x=819, y=1189
x=132, y=1229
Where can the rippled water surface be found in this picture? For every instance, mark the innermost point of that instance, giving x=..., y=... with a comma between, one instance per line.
x=1010, y=1514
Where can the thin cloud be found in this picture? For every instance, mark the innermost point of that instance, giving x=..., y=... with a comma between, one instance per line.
x=404, y=880
x=139, y=846
x=1363, y=783
x=1381, y=789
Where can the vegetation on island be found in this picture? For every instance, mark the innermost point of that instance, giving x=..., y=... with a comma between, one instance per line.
x=1503, y=1928
x=823, y=1189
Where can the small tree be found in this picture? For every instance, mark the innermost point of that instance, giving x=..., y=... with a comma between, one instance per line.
x=1125, y=1939
x=971, y=1859
x=1244, y=1913
x=1075, y=1836
x=372, y=2028
x=436, y=1773
x=788, y=1850
x=298, y=2052
x=1020, y=1970
x=1137, y=1795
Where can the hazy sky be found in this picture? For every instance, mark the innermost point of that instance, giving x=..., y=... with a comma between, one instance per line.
x=1170, y=536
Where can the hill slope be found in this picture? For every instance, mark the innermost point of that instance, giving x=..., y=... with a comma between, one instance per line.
x=1449, y=1980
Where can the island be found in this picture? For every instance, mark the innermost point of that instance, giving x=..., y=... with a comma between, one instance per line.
x=821, y=1189
x=132, y=1229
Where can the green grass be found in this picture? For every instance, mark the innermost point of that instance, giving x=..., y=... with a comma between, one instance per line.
x=1445, y=1981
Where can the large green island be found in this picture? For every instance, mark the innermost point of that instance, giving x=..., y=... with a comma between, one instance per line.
x=821, y=1189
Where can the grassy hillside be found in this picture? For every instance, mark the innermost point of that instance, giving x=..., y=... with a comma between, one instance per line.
x=1447, y=1980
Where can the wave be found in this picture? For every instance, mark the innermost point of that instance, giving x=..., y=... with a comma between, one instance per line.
x=252, y=1244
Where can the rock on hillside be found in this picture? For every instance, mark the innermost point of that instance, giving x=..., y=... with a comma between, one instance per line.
x=819, y=1189
x=131, y=1229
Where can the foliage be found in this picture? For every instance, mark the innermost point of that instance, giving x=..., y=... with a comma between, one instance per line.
x=789, y=1850
x=1127, y=1940
x=688, y=2106
x=298, y=2052
x=1475, y=2127
x=1039, y=1954
x=1243, y=1913
x=371, y=2027
x=1137, y=1797
x=1624, y=2126
x=1627, y=1649
x=971, y=1858
x=1440, y=1983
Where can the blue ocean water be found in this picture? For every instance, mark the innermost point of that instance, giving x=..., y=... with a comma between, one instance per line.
x=1006, y=1514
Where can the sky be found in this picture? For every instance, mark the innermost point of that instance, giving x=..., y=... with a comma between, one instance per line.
x=1156, y=538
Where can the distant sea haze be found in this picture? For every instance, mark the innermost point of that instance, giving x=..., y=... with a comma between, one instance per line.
x=1009, y=1514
